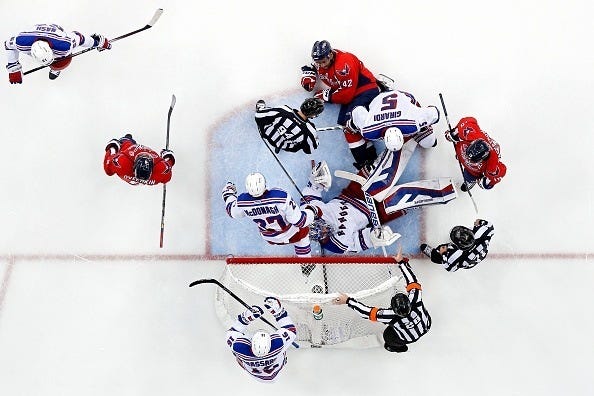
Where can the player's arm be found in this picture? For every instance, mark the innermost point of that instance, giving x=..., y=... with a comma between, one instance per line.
x=229, y=195
x=94, y=40
x=112, y=150
x=14, y=68
x=287, y=329
x=300, y=217
x=494, y=172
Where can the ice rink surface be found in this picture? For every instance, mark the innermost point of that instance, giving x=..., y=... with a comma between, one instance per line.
x=89, y=304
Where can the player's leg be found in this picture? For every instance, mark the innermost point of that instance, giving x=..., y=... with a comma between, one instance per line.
x=58, y=66
x=393, y=343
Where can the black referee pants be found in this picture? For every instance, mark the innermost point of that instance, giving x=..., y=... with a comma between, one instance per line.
x=393, y=343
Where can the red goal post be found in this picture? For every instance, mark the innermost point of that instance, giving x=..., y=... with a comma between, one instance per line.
x=301, y=283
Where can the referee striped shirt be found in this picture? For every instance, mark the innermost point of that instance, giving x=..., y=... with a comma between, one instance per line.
x=409, y=328
x=284, y=129
x=454, y=258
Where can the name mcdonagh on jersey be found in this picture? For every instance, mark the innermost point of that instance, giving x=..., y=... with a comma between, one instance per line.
x=262, y=210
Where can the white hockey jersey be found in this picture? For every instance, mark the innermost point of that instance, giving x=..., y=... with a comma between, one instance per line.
x=275, y=213
x=62, y=43
x=349, y=219
x=395, y=109
x=267, y=367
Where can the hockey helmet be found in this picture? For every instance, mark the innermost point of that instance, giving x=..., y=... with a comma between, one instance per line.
x=143, y=166
x=312, y=107
x=321, y=50
x=320, y=230
x=462, y=237
x=41, y=52
x=477, y=151
x=255, y=184
x=400, y=304
x=261, y=343
x=393, y=139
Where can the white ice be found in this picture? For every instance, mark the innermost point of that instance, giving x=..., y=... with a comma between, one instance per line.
x=89, y=304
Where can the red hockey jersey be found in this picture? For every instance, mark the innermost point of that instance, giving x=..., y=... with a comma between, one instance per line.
x=346, y=76
x=122, y=164
x=491, y=168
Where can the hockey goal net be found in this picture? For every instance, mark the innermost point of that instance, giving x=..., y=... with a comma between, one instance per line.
x=302, y=283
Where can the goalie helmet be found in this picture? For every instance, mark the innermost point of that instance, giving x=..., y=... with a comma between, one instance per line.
x=477, y=151
x=41, y=52
x=312, y=107
x=143, y=166
x=320, y=230
x=261, y=343
x=255, y=184
x=400, y=304
x=321, y=50
x=462, y=237
x=393, y=139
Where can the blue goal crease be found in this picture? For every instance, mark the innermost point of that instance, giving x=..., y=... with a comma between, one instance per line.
x=236, y=150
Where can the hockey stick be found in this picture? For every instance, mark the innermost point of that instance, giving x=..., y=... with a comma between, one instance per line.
x=445, y=112
x=171, y=106
x=330, y=128
x=239, y=300
x=281, y=165
x=149, y=25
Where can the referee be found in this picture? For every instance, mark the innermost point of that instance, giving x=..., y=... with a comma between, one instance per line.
x=288, y=129
x=407, y=318
x=467, y=249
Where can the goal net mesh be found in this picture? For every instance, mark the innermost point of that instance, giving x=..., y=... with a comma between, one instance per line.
x=301, y=283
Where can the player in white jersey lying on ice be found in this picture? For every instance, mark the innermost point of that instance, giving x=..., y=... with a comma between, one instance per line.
x=279, y=219
x=264, y=354
x=344, y=222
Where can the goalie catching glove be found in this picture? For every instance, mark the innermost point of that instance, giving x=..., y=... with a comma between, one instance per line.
x=273, y=305
x=320, y=176
x=249, y=315
x=383, y=236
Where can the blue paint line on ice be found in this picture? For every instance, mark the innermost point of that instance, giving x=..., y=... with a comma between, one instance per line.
x=236, y=150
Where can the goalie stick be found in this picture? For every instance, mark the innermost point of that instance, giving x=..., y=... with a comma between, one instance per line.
x=149, y=25
x=239, y=300
x=171, y=106
x=445, y=112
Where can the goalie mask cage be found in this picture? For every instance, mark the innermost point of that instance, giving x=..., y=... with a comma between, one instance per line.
x=301, y=283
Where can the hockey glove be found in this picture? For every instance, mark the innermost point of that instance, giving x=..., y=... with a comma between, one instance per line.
x=250, y=315
x=101, y=43
x=308, y=77
x=383, y=237
x=167, y=155
x=113, y=146
x=452, y=135
x=323, y=94
x=14, y=73
x=273, y=305
x=229, y=191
